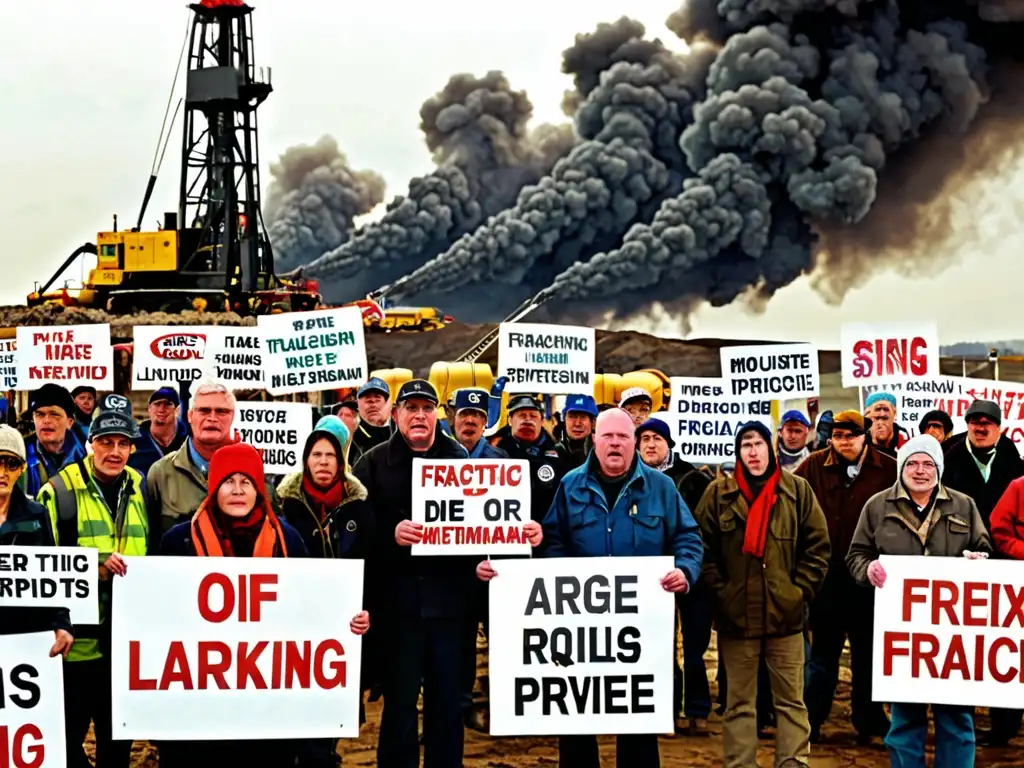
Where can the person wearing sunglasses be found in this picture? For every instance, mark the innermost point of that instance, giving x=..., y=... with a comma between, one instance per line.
x=24, y=523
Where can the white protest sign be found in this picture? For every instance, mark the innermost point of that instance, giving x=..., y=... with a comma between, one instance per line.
x=69, y=355
x=949, y=631
x=581, y=645
x=878, y=353
x=771, y=371
x=9, y=363
x=166, y=355
x=704, y=419
x=546, y=359
x=31, y=703
x=236, y=648
x=52, y=577
x=471, y=506
x=235, y=356
x=277, y=430
x=314, y=351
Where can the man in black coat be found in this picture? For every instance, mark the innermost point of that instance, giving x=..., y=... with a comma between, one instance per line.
x=527, y=439
x=419, y=605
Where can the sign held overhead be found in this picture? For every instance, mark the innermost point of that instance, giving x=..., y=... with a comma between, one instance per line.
x=546, y=359
x=880, y=353
x=771, y=371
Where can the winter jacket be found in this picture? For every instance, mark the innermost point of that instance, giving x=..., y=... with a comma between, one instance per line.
x=1007, y=522
x=769, y=596
x=648, y=518
x=176, y=489
x=573, y=453
x=484, y=450
x=177, y=542
x=346, y=533
x=148, y=451
x=899, y=437
x=954, y=525
x=28, y=525
x=546, y=470
x=842, y=499
x=398, y=583
x=366, y=437
x=961, y=473
x=41, y=466
x=690, y=481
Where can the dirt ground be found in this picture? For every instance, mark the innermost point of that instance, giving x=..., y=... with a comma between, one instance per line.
x=837, y=750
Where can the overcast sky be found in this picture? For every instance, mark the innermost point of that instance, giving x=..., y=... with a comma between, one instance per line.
x=85, y=84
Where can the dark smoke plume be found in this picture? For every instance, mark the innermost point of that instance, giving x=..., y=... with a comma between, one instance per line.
x=630, y=120
x=804, y=115
x=476, y=130
x=312, y=200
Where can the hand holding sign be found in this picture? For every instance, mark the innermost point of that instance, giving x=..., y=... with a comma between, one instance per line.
x=408, y=533
x=360, y=623
x=876, y=574
x=675, y=581
x=62, y=643
x=975, y=555
x=533, y=533
x=485, y=571
x=114, y=564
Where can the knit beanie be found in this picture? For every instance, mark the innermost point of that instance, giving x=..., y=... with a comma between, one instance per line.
x=332, y=428
x=925, y=444
x=657, y=426
x=875, y=397
x=231, y=459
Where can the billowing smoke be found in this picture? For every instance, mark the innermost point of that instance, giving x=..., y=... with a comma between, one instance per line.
x=807, y=121
x=476, y=128
x=630, y=120
x=312, y=200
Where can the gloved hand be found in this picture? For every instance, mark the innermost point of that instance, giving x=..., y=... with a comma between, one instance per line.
x=876, y=574
x=975, y=555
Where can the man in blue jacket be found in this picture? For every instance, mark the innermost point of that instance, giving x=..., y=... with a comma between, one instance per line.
x=615, y=505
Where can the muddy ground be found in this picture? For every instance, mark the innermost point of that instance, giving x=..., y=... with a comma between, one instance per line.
x=837, y=750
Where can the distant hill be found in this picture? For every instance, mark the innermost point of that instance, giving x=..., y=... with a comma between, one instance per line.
x=980, y=349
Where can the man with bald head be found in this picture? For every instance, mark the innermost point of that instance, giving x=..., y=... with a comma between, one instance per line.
x=615, y=505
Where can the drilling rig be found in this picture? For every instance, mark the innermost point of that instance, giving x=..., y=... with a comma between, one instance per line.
x=213, y=253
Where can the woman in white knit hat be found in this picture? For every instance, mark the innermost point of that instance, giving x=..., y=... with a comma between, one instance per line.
x=25, y=523
x=920, y=516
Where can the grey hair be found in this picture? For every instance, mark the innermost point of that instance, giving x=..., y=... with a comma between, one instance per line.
x=212, y=386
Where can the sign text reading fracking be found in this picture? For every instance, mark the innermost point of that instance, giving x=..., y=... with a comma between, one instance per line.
x=546, y=359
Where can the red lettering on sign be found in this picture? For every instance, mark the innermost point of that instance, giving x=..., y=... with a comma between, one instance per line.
x=890, y=357
x=23, y=748
x=478, y=476
x=438, y=535
x=250, y=601
x=179, y=346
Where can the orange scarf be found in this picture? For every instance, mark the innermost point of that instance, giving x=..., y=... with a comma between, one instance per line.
x=210, y=540
x=760, y=510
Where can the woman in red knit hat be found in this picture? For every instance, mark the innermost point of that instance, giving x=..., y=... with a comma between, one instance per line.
x=236, y=520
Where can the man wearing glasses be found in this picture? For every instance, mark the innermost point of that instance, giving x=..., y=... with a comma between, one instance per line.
x=637, y=402
x=844, y=477
x=176, y=484
x=162, y=433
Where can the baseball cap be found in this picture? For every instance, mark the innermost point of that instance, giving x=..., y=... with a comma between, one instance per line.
x=113, y=416
x=166, y=393
x=412, y=389
x=797, y=416
x=986, y=408
x=522, y=403
x=374, y=385
x=473, y=399
x=635, y=393
x=580, y=404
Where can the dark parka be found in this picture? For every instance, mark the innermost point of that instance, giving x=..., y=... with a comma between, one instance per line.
x=689, y=481
x=763, y=597
x=573, y=453
x=546, y=469
x=28, y=525
x=347, y=531
x=954, y=525
x=398, y=583
x=842, y=499
x=961, y=473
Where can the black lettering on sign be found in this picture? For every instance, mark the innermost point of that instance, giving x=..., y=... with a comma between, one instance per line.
x=43, y=587
x=589, y=695
x=582, y=645
x=595, y=592
x=22, y=691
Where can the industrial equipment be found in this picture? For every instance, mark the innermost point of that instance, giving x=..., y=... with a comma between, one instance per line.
x=213, y=253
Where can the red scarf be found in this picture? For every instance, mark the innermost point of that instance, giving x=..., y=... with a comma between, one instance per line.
x=212, y=533
x=760, y=511
x=324, y=502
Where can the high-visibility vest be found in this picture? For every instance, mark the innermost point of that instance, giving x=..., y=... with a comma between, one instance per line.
x=80, y=517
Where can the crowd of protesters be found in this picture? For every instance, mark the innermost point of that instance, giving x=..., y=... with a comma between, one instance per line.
x=780, y=555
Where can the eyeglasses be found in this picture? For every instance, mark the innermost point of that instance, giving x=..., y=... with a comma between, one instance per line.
x=10, y=463
x=220, y=413
x=927, y=466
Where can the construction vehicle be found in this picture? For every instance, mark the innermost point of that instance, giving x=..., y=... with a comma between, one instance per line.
x=212, y=254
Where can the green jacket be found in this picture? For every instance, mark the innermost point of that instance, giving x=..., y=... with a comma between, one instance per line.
x=769, y=596
x=886, y=527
